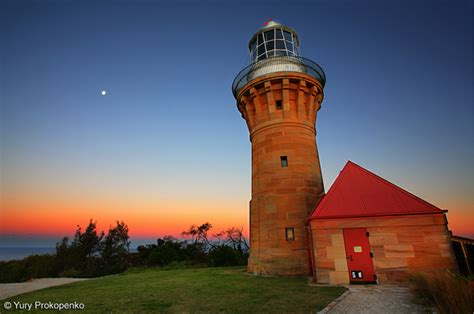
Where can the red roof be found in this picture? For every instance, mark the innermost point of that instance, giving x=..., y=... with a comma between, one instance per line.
x=358, y=192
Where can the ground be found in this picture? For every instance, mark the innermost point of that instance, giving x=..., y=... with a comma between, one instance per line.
x=11, y=289
x=387, y=299
x=228, y=289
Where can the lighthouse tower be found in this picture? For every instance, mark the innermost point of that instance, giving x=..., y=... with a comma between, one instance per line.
x=279, y=95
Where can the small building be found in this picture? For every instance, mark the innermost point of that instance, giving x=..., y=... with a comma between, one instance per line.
x=464, y=252
x=368, y=230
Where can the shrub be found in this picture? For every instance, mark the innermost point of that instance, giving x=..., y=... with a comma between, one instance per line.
x=40, y=266
x=33, y=266
x=195, y=252
x=449, y=292
x=223, y=255
x=162, y=256
x=13, y=271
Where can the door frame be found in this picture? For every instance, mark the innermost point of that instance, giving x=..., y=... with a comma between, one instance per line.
x=371, y=266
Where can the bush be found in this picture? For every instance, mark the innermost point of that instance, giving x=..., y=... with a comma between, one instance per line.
x=170, y=251
x=449, y=292
x=224, y=255
x=13, y=271
x=33, y=266
x=40, y=266
x=162, y=256
x=195, y=253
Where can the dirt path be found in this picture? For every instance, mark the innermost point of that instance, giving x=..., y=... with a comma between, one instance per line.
x=385, y=299
x=11, y=289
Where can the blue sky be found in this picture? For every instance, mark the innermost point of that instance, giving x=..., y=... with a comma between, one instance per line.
x=398, y=101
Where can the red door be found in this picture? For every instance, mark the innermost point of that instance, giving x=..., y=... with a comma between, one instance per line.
x=359, y=260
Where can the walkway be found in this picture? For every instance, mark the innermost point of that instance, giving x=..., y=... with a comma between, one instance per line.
x=11, y=289
x=385, y=299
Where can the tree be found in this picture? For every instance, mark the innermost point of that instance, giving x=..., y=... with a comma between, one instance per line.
x=199, y=234
x=116, y=242
x=88, y=242
x=115, y=248
x=236, y=239
x=66, y=256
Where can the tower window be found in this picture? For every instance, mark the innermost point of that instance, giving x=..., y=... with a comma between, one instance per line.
x=279, y=106
x=284, y=161
x=290, y=234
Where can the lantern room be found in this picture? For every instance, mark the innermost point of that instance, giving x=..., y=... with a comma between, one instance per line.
x=273, y=40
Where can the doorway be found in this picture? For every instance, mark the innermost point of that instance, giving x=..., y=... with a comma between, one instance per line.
x=358, y=255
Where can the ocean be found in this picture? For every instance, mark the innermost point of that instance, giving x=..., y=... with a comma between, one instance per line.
x=13, y=253
x=16, y=253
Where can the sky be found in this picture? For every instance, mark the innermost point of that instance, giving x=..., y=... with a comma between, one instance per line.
x=167, y=148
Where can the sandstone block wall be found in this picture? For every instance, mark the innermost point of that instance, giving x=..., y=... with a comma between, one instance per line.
x=280, y=111
x=399, y=244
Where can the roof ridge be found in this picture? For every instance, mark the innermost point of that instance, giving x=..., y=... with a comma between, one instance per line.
x=384, y=215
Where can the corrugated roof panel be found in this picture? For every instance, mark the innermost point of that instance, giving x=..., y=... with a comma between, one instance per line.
x=358, y=192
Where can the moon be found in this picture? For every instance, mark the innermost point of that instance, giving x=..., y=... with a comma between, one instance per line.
x=103, y=93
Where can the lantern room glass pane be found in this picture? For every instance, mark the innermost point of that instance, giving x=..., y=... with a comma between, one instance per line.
x=260, y=39
x=289, y=46
x=278, y=34
x=287, y=35
x=269, y=35
x=253, y=45
x=270, y=45
x=261, y=49
x=280, y=44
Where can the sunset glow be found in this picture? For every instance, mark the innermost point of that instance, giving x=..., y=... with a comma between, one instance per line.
x=145, y=128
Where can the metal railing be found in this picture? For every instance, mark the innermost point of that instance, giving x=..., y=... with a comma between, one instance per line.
x=278, y=64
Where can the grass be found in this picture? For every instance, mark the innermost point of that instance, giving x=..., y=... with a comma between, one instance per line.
x=447, y=291
x=226, y=289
